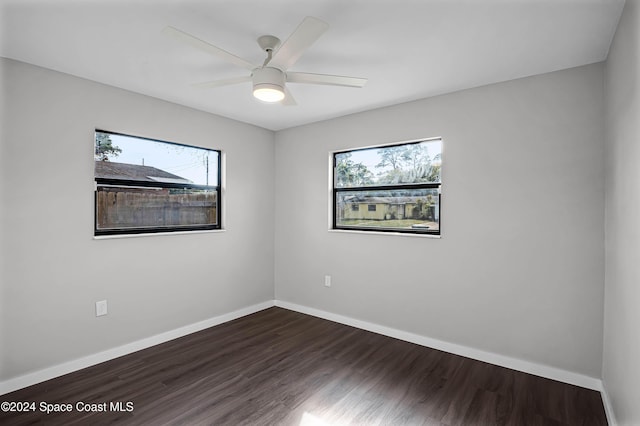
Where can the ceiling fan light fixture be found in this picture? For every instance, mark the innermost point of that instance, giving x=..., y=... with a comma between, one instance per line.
x=268, y=84
x=268, y=92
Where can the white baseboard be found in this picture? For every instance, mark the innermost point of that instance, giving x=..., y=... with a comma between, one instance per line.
x=87, y=361
x=608, y=408
x=489, y=357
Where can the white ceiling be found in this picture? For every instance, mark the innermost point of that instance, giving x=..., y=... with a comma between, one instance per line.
x=408, y=49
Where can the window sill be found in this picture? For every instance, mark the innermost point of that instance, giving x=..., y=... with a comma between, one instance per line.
x=154, y=234
x=397, y=234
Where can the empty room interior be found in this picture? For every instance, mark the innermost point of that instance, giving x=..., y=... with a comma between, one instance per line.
x=318, y=213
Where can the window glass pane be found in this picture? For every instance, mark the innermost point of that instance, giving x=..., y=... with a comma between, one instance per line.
x=138, y=207
x=132, y=158
x=395, y=209
x=393, y=165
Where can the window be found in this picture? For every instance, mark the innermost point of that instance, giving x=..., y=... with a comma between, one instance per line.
x=149, y=186
x=399, y=184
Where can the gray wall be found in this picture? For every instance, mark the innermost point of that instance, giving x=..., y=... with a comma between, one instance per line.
x=54, y=271
x=621, y=366
x=519, y=269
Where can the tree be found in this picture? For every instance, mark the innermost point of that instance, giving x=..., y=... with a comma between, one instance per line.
x=434, y=170
x=407, y=164
x=349, y=173
x=105, y=147
x=392, y=156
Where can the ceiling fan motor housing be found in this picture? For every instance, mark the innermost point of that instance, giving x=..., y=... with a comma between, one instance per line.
x=269, y=80
x=268, y=75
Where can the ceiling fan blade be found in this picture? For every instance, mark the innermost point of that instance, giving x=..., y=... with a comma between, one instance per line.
x=288, y=98
x=224, y=82
x=331, y=80
x=207, y=47
x=304, y=36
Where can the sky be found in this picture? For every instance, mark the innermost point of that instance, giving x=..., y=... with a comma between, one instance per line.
x=185, y=161
x=191, y=162
x=371, y=157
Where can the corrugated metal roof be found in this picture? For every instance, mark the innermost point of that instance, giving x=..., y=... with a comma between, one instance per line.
x=383, y=200
x=112, y=170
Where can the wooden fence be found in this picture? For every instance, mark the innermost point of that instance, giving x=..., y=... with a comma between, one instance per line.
x=118, y=208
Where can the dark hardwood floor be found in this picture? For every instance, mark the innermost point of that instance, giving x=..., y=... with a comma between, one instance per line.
x=278, y=367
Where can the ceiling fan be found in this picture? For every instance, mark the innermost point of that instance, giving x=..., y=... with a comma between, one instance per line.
x=269, y=79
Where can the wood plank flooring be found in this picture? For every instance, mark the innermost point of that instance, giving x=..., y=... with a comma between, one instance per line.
x=279, y=367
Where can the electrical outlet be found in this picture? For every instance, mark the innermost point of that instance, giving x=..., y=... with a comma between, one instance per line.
x=101, y=308
x=327, y=280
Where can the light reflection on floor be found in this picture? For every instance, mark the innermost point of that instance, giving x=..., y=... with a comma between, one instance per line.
x=309, y=419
